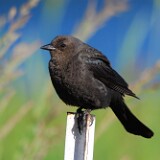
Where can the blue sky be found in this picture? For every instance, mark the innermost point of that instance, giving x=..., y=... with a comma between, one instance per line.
x=133, y=33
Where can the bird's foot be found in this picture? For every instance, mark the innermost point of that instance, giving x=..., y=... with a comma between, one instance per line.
x=81, y=118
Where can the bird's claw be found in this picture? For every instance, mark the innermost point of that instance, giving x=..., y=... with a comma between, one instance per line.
x=81, y=119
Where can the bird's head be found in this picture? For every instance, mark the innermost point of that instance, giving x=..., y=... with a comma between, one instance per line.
x=63, y=46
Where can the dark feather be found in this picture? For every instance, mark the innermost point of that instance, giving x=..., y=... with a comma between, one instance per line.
x=102, y=70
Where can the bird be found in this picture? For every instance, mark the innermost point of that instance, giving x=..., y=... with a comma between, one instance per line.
x=83, y=77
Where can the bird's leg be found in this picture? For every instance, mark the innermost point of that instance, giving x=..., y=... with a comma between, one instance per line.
x=81, y=118
x=87, y=112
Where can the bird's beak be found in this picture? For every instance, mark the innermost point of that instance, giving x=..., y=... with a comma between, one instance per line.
x=48, y=47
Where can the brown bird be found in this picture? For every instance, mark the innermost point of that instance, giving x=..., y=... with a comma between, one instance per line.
x=83, y=77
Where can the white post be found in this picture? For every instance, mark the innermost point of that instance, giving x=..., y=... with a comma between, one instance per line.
x=79, y=146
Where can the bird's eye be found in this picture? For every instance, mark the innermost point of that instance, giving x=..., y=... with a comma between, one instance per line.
x=62, y=45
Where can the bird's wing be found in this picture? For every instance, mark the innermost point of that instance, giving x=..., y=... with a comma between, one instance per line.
x=100, y=66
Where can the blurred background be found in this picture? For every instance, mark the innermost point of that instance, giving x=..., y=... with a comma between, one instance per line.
x=33, y=118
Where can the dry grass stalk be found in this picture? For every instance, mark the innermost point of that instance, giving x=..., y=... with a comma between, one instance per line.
x=5, y=100
x=147, y=76
x=23, y=16
x=93, y=20
x=22, y=50
x=12, y=122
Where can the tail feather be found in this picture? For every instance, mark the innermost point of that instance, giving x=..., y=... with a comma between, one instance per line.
x=128, y=120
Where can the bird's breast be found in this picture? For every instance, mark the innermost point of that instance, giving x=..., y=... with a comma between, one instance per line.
x=76, y=86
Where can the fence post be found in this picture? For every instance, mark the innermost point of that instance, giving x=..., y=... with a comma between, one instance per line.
x=79, y=146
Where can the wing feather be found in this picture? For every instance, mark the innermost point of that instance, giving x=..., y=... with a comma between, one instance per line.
x=100, y=66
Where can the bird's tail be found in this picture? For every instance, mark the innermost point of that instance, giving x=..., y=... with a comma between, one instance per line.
x=129, y=121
